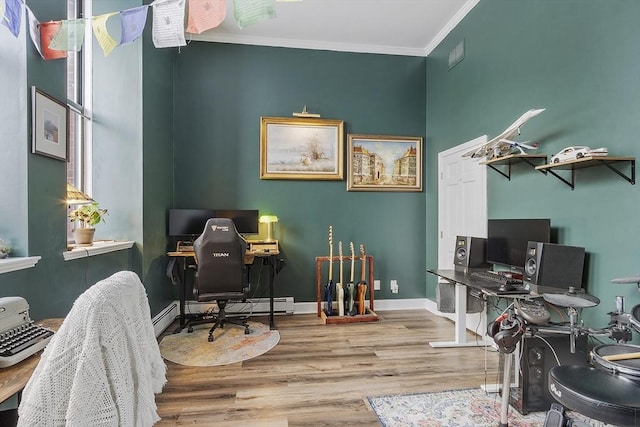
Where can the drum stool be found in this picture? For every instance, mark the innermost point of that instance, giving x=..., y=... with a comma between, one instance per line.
x=600, y=395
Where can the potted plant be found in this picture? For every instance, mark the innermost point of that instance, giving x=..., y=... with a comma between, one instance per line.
x=86, y=216
x=5, y=250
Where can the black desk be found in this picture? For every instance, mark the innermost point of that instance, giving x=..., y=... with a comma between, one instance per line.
x=462, y=281
x=268, y=258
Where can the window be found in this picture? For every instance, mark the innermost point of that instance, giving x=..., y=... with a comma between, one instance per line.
x=79, y=90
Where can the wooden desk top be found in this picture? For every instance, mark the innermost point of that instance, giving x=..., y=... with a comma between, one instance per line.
x=14, y=378
x=248, y=256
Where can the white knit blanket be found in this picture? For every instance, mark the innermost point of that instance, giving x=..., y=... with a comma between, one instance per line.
x=103, y=367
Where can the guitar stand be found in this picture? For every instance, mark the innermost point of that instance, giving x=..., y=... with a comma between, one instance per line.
x=369, y=316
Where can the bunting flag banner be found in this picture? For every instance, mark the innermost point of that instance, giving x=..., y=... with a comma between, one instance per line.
x=12, y=16
x=205, y=14
x=70, y=36
x=168, y=23
x=99, y=25
x=47, y=31
x=249, y=12
x=34, y=30
x=133, y=22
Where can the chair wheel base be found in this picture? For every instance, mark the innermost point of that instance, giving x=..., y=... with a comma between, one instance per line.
x=247, y=331
x=210, y=338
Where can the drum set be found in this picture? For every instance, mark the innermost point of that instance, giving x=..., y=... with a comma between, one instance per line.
x=609, y=390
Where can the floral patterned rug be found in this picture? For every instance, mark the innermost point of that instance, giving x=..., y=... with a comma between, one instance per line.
x=454, y=408
x=230, y=345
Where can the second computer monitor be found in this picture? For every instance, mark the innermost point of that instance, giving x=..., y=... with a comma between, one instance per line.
x=246, y=220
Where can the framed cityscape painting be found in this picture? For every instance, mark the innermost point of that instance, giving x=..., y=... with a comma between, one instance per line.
x=384, y=163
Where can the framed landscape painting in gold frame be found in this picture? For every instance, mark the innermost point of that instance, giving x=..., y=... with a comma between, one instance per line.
x=384, y=163
x=301, y=148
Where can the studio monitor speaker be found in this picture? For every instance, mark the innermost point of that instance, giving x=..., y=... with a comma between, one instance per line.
x=470, y=252
x=554, y=266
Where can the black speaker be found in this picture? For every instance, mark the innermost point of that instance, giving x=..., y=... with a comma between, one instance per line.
x=532, y=393
x=470, y=252
x=554, y=266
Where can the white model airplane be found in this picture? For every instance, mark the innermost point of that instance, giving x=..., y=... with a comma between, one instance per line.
x=502, y=144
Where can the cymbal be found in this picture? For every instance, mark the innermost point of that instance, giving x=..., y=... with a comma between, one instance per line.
x=631, y=279
x=572, y=299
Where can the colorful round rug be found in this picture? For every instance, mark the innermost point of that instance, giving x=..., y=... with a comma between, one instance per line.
x=230, y=345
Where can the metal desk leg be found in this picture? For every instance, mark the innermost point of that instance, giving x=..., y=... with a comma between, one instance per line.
x=460, y=321
x=272, y=274
x=183, y=293
x=506, y=383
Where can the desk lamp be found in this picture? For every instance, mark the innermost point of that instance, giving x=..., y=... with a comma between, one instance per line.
x=269, y=220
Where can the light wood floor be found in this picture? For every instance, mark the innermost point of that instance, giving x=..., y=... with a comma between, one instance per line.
x=321, y=375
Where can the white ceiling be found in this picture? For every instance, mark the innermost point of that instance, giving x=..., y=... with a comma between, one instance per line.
x=396, y=27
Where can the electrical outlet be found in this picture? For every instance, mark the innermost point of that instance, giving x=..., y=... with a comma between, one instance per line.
x=394, y=286
x=376, y=285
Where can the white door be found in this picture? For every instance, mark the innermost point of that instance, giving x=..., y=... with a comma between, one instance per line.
x=462, y=199
x=462, y=211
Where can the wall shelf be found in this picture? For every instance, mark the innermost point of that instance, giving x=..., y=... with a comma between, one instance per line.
x=530, y=159
x=610, y=162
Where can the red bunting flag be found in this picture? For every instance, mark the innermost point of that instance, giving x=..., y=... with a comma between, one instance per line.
x=47, y=31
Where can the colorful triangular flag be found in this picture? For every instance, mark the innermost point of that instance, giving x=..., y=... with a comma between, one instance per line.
x=12, y=16
x=249, y=12
x=34, y=30
x=99, y=25
x=47, y=31
x=205, y=14
x=133, y=21
x=168, y=23
x=70, y=36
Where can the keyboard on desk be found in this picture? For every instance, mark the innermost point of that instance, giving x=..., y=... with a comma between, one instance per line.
x=493, y=281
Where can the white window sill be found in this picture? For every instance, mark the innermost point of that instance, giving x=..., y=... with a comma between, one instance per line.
x=98, y=248
x=17, y=263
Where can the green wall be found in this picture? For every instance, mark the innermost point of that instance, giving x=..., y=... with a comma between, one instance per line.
x=222, y=90
x=579, y=60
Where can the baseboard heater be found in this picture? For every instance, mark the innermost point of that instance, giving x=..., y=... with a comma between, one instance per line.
x=281, y=305
x=162, y=320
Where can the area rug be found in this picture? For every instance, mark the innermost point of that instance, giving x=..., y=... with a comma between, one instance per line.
x=230, y=345
x=454, y=408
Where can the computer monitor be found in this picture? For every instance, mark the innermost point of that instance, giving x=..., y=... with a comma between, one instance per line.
x=246, y=220
x=188, y=222
x=507, y=240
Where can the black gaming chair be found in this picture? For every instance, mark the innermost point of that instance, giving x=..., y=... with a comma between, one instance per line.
x=221, y=273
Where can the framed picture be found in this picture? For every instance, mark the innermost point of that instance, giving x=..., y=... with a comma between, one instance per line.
x=384, y=163
x=301, y=148
x=49, y=120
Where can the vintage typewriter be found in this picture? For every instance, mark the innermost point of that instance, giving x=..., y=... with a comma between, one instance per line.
x=20, y=337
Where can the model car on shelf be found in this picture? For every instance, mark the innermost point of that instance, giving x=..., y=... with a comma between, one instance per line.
x=577, y=152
